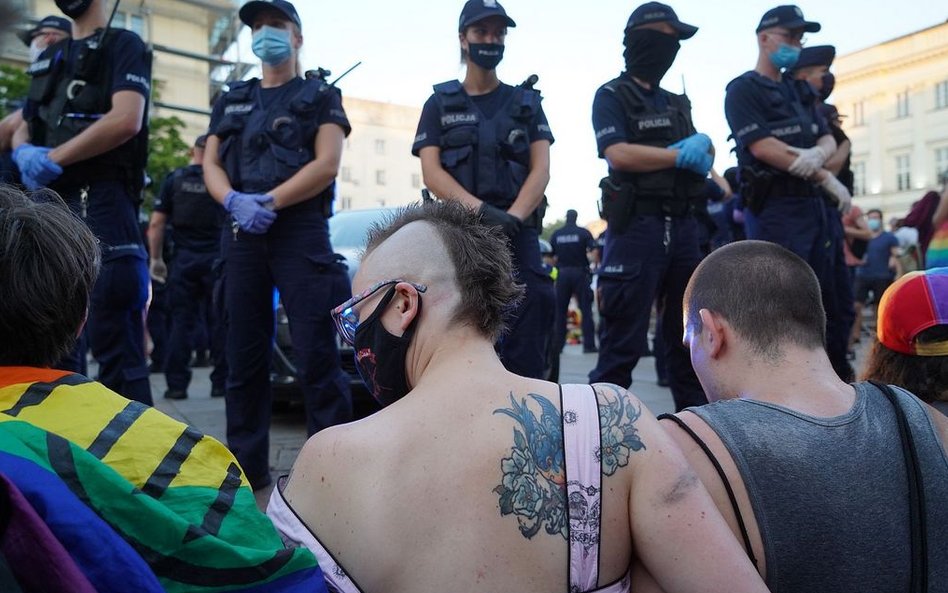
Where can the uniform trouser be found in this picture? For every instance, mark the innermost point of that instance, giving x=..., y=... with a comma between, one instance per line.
x=115, y=328
x=191, y=284
x=524, y=348
x=812, y=229
x=650, y=269
x=309, y=287
x=218, y=326
x=158, y=321
x=574, y=281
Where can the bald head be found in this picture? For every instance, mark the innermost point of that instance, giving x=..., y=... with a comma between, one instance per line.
x=465, y=264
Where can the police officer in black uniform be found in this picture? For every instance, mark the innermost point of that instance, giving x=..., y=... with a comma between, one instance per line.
x=657, y=169
x=487, y=145
x=273, y=153
x=85, y=135
x=197, y=220
x=783, y=143
x=571, y=245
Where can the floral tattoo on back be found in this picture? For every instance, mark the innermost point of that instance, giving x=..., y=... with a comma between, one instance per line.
x=534, y=487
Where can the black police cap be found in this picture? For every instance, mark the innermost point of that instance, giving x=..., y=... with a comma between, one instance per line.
x=656, y=12
x=50, y=22
x=818, y=55
x=249, y=11
x=789, y=16
x=478, y=10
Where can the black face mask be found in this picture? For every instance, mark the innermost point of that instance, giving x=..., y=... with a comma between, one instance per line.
x=486, y=55
x=649, y=54
x=829, y=81
x=73, y=8
x=381, y=357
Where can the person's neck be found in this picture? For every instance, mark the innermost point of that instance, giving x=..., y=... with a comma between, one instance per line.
x=642, y=83
x=274, y=76
x=459, y=359
x=766, y=68
x=478, y=81
x=87, y=24
x=801, y=379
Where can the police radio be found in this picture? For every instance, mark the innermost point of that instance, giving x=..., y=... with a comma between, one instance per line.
x=529, y=82
x=88, y=58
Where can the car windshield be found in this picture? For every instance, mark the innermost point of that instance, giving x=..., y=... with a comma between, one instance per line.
x=347, y=230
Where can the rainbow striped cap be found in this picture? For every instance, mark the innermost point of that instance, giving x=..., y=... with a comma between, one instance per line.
x=914, y=303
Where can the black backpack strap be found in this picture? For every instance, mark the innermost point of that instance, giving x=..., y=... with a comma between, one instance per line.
x=727, y=483
x=919, y=577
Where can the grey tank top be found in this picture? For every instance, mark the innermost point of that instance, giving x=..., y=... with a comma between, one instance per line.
x=830, y=495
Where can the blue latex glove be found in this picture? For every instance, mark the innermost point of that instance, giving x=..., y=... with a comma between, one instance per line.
x=36, y=168
x=251, y=211
x=693, y=154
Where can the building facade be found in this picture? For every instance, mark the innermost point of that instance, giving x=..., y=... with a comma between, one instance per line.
x=894, y=97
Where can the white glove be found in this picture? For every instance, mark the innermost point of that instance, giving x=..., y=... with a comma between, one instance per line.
x=809, y=161
x=838, y=192
x=158, y=270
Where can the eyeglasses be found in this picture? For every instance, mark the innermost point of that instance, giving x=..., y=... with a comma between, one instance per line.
x=345, y=316
x=794, y=37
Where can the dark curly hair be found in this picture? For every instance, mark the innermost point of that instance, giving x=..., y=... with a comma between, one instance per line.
x=49, y=260
x=482, y=263
x=925, y=376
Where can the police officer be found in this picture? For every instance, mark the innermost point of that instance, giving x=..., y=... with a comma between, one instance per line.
x=85, y=136
x=487, y=145
x=272, y=157
x=657, y=166
x=782, y=146
x=813, y=66
x=197, y=221
x=571, y=245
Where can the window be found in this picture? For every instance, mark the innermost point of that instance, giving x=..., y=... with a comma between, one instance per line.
x=380, y=147
x=859, y=178
x=859, y=114
x=380, y=177
x=132, y=22
x=346, y=174
x=345, y=203
x=902, y=104
x=415, y=181
x=941, y=95
x=903, y=177
x=941, y=163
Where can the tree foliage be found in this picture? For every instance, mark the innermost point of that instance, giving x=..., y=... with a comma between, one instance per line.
x=167, y=151
x=14, y=83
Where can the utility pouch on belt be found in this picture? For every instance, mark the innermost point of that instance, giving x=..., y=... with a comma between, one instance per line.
x=755, y=184
x=535, y=220
x=616, y=204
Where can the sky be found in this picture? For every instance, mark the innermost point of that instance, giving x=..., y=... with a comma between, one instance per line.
x=575, y=47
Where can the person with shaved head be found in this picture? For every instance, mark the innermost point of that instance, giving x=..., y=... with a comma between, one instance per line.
x=472, y=478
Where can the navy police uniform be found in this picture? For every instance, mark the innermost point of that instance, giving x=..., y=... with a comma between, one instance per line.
x=570, y=245
x=266, y=135
x=485, y=145
x=197, y=221
x=651, y=243
x=72, y=87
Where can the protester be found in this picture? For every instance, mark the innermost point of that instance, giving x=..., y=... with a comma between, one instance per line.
x=495, y=482
x=912, y=331
x=138, y=501
x=936, y=254
x=879, y=268
x=808, y=470
x=920, y=217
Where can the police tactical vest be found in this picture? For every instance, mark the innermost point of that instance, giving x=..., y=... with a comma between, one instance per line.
x=791, y=114
x=650, y=127
x=490, y=158
x=70, y=93
x=264, y=145
x=194, y=208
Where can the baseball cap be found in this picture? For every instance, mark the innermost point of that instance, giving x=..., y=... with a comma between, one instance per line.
x=656, y=12
x=912, y=304
x=201, y=141
x=249, y=11
x=817, y=55
x=478, y=10
x=789, y=16
x=52, y=22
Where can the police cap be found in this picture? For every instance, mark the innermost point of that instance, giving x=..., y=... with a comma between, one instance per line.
x=50, y=22
x=789, y=16
x=249, y=11
x=656, y=12
x=818, y=55
x=478, y=10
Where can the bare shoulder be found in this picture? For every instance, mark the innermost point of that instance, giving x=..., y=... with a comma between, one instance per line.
x=326, y=453
x=627, y=427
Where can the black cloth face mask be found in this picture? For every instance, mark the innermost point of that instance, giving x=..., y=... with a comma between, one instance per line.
x=829, y=81
x=649, y=54
x=73, y=8
x=381, y=357
x=486, y=55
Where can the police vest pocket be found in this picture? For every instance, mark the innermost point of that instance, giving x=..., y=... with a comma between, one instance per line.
x=230, y=125
x=287, y=158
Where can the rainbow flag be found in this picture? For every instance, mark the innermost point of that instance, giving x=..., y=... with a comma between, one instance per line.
x=141, y=502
